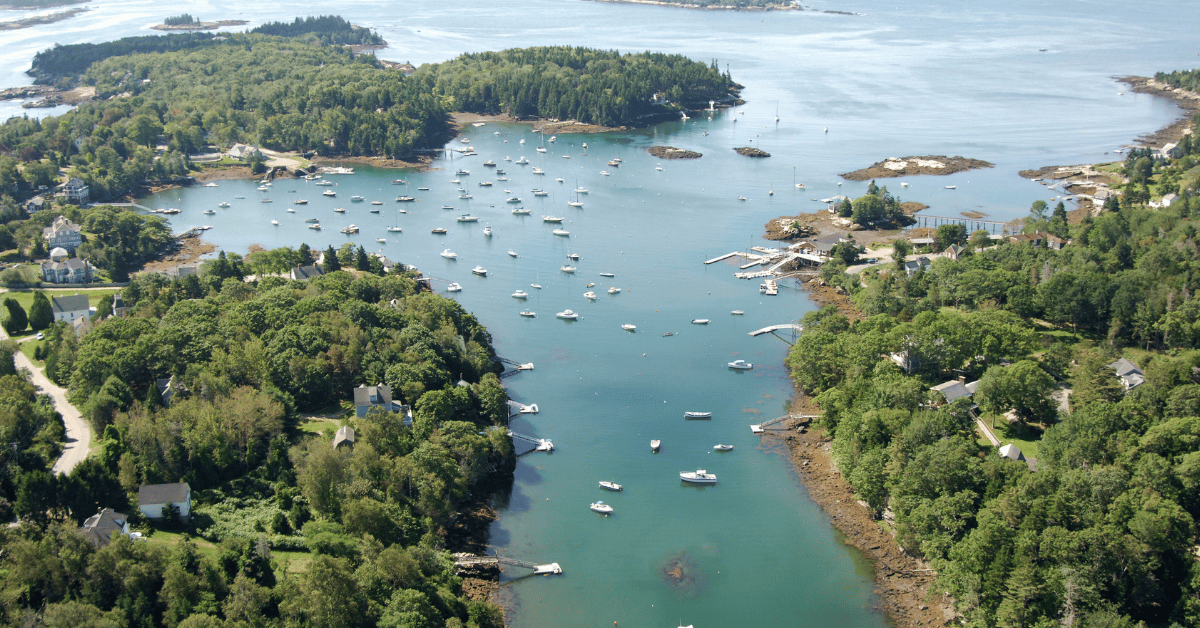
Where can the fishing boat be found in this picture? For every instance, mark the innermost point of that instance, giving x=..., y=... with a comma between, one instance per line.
x=589, y=295
x=467, y=218
x=438, y=231
x=350, y=229
x=561, y=232
x=555, y=219
x=521, y=211
x=607, y=275
x=737, y=312
x=699, y=476
x=697, y=415
x=602, y=508
x=529, y=314
x=394, y=229
x=520, y=294
x=453, y=287
x=222, y=204
x=490, y=163
x=479, y=270
x=329, y=193
x=629, y=327
x=654, y=445
x=340, y=210
x=610, y=486
x=741, y=365
x=567, y=315
x=699, y=321
x=314, y=227
x=377, y=202
x=448, y=254
x=311, y=220
x=512, y=253
x=356, y=199
x=487, y=231
x=614, y=290
x=720, y=447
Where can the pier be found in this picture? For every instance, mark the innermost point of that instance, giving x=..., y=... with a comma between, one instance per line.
x=521, y=408
x=772, y=329
x=539, y=444
x=774, y=259
x=471, y=561
x=526, y=366
x=972, y=224
x=762, y=427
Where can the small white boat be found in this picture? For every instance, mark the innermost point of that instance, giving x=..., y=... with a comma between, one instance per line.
x=591, y=296
x=263, y=188
x=608, y=275
x=210, y=211
x=453, y=287
x=629, y=327
x=405, y=199
x=438, y=231
x=540, y=193
x=456, y=180
x=520, y=211
x=951, y=187
x=377, y=202
x=274, y=222
x=567, y=269
x=567, y=315
x=581, y=190
x=394, y=229
x=604, y=173
x=741, y=198
x=210, y=185
x=381, y=240
x=540, y=149
x=239, y=197
x=699, y=321
x=741, y=365
x=536, y=285
x=485, y=184
x=561, y=232
x=520, y=294
x=487, y=231
x=697, y=415
x=601, y=507
x=573, y=256
x=737, y=312
x=904, y=184
x=462, y=172
x=467, y=196
x=340, y=210
x=614, y=290
x=448, y=254
x=699, y=476
x=468, y=218
x=609, y=486
x=223, y=204
x=324, y=183
x=329, y=193
x=575, y=203
x=301, y=201
x=490, y=163
x=554, y=219
x=537, y=170
x=522, y=140
x=529, y=314
x=522, y=161
x=512, y=253
x=479, y=270
x=655, y=444
x=513, y=199
x=315, y=227
x=720, y=447
x=351, y=229
x=399, y=182
x=356, y=199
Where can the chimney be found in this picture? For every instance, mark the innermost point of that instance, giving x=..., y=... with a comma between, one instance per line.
x=962, y=379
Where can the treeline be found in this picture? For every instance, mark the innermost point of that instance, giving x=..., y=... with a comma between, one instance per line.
x=330, y=29
x=1186, y=79
x=180, y=20
x=74, y=59
x=593, y=86
x=247, y=359
x=739, y=4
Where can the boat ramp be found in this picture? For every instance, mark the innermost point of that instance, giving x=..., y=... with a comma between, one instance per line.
x=761, y=428
x=463, y=560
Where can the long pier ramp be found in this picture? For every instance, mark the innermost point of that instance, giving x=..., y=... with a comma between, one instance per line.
x=972, y=224
x=521, y=408
x=759, y=428
x=471, y=561
x=539, y=444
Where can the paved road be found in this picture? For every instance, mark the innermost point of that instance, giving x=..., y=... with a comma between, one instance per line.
x=79, y=433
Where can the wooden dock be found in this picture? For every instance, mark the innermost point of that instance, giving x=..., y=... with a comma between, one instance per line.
x=470, y=561
x=761, y=427
x=774, y=328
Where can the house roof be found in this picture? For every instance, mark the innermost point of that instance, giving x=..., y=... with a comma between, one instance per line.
x=363, y=394
x=953, y=389
x=1011, y=452
x=922, y=241
x=345, y=434
x=74, y=303
x=100, y=526
x=1125, y=368
x=149, y=494
x=307, y=272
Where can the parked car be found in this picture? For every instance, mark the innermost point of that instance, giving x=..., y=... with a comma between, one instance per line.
x=41, y=336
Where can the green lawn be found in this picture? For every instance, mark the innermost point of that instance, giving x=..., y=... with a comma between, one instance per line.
x=318, y=425
x=1026, y=437
x=295, y=561
x=28, y=347
x=25, y=298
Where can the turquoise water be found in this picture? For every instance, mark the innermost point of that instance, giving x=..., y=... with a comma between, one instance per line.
x=922, y=78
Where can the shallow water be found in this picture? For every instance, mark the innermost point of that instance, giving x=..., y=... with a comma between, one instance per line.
x=923, y=78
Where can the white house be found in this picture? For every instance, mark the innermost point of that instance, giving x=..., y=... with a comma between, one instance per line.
x=244, y=152
x=63, y=233
x=70, y=308
x=152, y=498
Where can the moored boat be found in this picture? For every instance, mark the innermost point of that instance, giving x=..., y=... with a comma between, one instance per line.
x=602, y=508
x=610, y=486
x=567, y=315
x=741, y=365
x=479, y=270
x=699, y=321
x=453, y=287
x=629, y=327
x=697, y=415
x=655, y=444
x=699, y=476
x=720, y=447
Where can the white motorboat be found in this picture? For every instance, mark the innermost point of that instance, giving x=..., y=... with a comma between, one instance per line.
x=537, y=170
x=655, y=444
x=741, y=198
x=210, y=211
x=467, y=196
x=697, y=415
x=399, y=182
x=604, y=173
x=300, y=201
x=608, y=274
x=513, y=200
x=438, y=231
x=520, y=211
x=720, y=447
x=737, y=312
x=356, y=199
x=567, y=269
x=274, y=222
x=377, y=202
x=540, y=193
x=629, y=327
x=405, y=199
x=529, y=314
x=589, y=295
x=351, y=229
x=263, y=188
x=468, y=218
x=512, y=253
x=329, y=193
x=453, y=287
x=699, y=321
x=573, y=256
x=561, y=232
x=609, y=486
x=479, y=270
x=522, y=161
x=490, y=163
x=554, y=219
x=602, y=508
x=324, y=183
x=485, y=184
x=540, y=149
x=520, y=294
x=461, y=172
x=340, y=210
x=210, y=185
x=567, y=315
x=536, y=285
x=381, y=240
x=552, y=139
x=487, y=231
x=741, y=365
x=951, y=187
x=448, y=254
x=315, y=227
x=394, y=229
x=223, y=204
x=699, y=476
x=614, y=290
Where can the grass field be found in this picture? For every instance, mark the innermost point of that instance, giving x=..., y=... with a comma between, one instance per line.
x=293, y=561
x=25, y=298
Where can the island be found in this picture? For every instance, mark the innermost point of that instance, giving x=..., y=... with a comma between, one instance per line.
x=29, y=22
x=720, y=5
x=186, y=22
x=670, y=152
x=33, y=5
x=911, y=166
x=750, y=151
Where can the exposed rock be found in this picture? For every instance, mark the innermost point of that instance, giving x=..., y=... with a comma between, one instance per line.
x=911, y=166
x=750, y=151
x=670, y=152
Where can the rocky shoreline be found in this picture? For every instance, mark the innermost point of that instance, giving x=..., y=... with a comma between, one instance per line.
x=670, y=152
x=38, y=20
x=1186, y=100
x=912, y=166
x=750, y=151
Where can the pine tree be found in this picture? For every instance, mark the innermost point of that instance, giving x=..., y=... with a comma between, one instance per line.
x=361, y=260
x=41, y=315
x=15, y=319
x=331, y=262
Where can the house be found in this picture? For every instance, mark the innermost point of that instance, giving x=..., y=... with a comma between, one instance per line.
x=1011, y=452
x=955, y=389
x=244, y=152
x=1169, y=199
x=152, y=498
x=344, y=437
x=1129, y=374
x=1035, y=239
x=367, y=397
x=168, y=388
x=73, y=270
x=58, y=254
x=100, y=527
x=74, y=191
x=63, y=233
x=305, y=272
x=35, y=204
x=922, y=242
x=118, y=306
x=1055, y=242
x=954, y=251
x=821, y=247
x=70, y=308
x=81, y=326
x=912, y=266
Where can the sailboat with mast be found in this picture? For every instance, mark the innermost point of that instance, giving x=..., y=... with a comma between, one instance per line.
x=396, y=228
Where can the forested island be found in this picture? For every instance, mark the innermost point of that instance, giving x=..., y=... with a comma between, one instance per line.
x=282, y=519
x=1092, y=519
x=186, y=22
x=736, y=5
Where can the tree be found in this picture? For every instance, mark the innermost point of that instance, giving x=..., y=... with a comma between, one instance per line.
x=980, y=240
x=867, y=209
x=900, y=250
x=950, y=234
x=331, y=262
x=362, y=261
x=1022, y=387
x=15, y=319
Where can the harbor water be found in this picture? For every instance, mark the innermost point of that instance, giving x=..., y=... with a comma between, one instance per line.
x=924, y=78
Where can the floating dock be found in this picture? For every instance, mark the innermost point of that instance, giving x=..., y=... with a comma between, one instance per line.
x=774, y=328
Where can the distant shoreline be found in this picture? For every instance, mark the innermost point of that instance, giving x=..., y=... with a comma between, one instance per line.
x=198, y=26
x=680, y=5
x=37, y=20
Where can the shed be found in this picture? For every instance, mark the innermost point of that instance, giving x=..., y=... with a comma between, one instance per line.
x=152, y=498
x=1011, y=452
x=344, y=437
